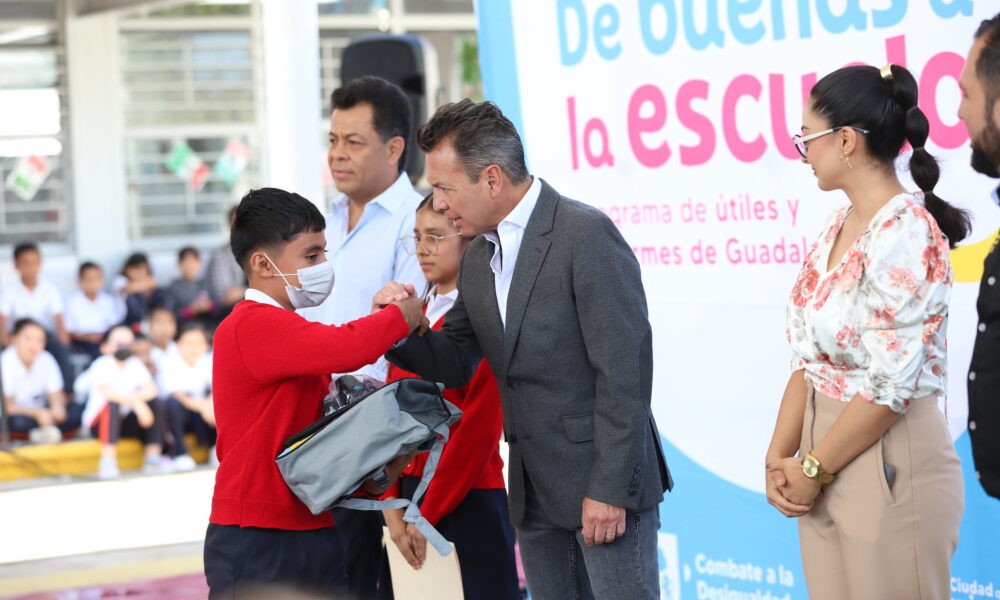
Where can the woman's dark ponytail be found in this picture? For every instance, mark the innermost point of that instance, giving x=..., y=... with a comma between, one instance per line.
x=954, y=222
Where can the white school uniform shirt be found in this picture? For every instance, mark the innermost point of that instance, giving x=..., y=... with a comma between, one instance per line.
x=368, y=257
x=30, y=386
x=506, y=242
x=123, y=379
x=84, y=315
x=178, y=376
x=41, y=304
x=438, y=305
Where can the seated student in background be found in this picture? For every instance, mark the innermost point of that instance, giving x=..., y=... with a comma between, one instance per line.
x=33, y=297
x=466, y=500
x=271, y=371
x=139, y=291
x=224, y=278
x=91, y=311
x=162, y=331
x=188, y=294
x=33, y=387
x=186, y=385
x=120, y=403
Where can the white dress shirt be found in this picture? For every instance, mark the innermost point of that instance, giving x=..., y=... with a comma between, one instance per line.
x=507, y=243
x=368, y=257
x=438, y=305
x=255, y=295
x=121, y=378
x=41, y=304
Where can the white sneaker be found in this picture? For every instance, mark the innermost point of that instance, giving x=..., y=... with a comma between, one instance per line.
x=160, y=465
x=108, y=469
x=184, y=463
x=48, y=434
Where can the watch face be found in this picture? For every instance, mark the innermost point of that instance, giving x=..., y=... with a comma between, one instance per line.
x=809, y=467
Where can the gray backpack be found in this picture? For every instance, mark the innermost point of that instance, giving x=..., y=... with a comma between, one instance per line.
x=328, y=461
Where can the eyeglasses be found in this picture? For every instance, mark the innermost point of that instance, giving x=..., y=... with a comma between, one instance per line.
x=800, y=140
x=430, y=243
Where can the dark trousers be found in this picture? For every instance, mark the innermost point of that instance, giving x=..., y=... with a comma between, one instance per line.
x=110, y=426
x=484, y=540
x=61, y=353
x=558, y=565
x=24, y=424
x=266, y=562
x=179, y=421
x=361, y=531
x=89, y=348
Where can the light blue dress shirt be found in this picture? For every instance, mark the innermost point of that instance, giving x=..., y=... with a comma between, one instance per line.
x=368, y=257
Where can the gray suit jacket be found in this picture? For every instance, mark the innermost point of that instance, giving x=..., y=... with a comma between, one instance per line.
x=574, y=364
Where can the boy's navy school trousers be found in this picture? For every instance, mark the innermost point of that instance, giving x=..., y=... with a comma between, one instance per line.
x=242, y=560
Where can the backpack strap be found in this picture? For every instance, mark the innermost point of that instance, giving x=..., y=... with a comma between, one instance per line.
x=412, y=506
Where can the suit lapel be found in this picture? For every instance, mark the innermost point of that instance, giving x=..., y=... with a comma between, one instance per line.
x=531, y=255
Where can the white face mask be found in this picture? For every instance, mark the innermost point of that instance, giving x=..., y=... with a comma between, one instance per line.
x=316, y=282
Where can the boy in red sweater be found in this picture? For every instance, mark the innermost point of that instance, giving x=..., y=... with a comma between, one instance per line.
x=271, y=370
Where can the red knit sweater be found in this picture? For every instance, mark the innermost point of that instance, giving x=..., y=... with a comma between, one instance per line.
x=271, y=371
x=471, y=457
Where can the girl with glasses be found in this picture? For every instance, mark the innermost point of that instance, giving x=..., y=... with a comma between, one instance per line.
x=861, y=453
x=466, y=500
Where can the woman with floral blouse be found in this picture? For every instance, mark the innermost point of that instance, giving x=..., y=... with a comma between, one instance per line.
x=861, y=453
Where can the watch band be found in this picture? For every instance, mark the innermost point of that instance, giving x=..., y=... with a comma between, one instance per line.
x=820, y=475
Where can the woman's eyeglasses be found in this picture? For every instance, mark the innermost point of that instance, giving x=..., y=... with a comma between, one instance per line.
x=800, y=141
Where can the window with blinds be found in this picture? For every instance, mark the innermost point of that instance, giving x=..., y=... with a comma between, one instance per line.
x=35, y=200
x=191, y=127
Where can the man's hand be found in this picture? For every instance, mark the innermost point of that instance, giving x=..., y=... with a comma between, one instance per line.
x=774, y=481
x=392, y=292
x=399, y=536
x=602, y=523
x=413, y=312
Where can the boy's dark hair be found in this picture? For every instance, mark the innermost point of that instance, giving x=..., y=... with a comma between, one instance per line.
x=391, y=110
x=190, y=326
x=859, y=96
x=25, y=247
x=185, y=251
x=85, y=266
x=137, y=259
x=20, y=324
x=480, y=135
x=269, y=218
x=107, y=334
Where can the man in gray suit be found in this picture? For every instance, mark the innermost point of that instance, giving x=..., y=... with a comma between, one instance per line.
x=551, y=295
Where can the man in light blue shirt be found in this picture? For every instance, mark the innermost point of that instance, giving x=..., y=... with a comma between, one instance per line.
x=369, y=136
x=369, y=129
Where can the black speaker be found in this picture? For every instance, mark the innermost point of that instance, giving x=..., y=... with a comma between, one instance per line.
x=409, y=62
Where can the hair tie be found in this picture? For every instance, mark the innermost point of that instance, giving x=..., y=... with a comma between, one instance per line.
x=918, y=148
x=886, y=72
x=911, y=109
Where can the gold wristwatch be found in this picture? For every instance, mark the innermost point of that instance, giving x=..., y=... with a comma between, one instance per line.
x=813, y=469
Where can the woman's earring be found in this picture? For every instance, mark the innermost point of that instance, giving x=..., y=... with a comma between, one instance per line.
x=845, y=158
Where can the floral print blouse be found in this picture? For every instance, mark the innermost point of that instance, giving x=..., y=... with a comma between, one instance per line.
x=875, y=323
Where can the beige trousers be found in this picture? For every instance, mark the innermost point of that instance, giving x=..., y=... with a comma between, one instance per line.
x=865, y=541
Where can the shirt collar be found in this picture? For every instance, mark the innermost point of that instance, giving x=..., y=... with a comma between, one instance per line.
x=452, y=295
x=392, y=199
x=256, y=295
x=522, y=212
